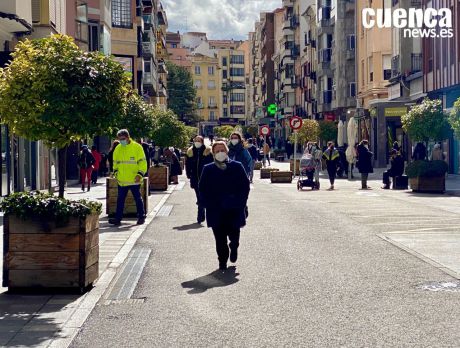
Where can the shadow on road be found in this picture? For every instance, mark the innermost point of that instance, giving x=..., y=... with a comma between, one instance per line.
x=195, y=226
x=215, y=279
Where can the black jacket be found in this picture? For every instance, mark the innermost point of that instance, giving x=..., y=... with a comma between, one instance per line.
x=364, y=162
x=397, y=166
x=252, y=149
x=224, y=194
x=195, y=160
x=86, y=159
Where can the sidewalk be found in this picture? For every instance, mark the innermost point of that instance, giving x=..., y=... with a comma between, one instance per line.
x=53, y=320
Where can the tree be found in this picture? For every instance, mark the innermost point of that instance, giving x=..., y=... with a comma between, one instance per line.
x=181, y=93
x=308, y=132
x=224, y=131
x=427, y=121
x=53, y=91
x=192, y=132
x=168, y=130
x=328, y=131
x=253, y=131
x=138, y=117
x=454, y=118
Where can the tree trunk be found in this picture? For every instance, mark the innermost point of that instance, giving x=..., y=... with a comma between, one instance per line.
x=62, y=165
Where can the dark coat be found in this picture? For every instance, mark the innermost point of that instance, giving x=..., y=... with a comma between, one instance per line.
x=195, y=160
x=240, y=154
x=224, y=194
x=174, y=165
x=86, y=159
x=397, y=166
x=252, y=149
x=419, y=152
x=364, y=162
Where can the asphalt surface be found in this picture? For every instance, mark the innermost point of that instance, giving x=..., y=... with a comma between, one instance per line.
x=312, y=272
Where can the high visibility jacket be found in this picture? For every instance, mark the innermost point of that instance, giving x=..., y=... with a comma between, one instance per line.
x=128, y=162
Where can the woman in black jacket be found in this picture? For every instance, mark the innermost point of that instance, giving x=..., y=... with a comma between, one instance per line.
x=224, y=190
x=364, y=163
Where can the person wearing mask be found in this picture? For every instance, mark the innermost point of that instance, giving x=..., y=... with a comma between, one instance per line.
x=252, y=149
x=197, y=157
x=97, y=163
x=316, y=153
x=129, y=168
x=110, y=154
x=436, y=154
x=224, y=190
x=396, y=168
x=364, y=163
x=237, y=152
x=266, y=152
x=85, y=162
x=331, y=155
x=174, y=165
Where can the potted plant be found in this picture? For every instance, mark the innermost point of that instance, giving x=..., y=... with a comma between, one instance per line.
x=427, y=122
x=427, y=176
x=50, y=242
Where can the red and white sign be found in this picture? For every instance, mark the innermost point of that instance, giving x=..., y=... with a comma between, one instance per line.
x=264, y=130
x=296, y=123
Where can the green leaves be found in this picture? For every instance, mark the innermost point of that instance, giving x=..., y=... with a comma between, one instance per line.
x=454, y=118
x=310, y=131
x=55, y=92
x=168, y=130
x=426, y=121
x=328, y=130
x=224, y=131
x=427, y=169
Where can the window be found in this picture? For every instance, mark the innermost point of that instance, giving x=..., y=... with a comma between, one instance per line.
x=174, y=45
x=351, y=42
x=210, y=70
x=386, y=66
x=237, y=109
x=197, y=70
x=225, y=112
x=212, y=115
x=289, y=70
x=212, y=101
x=224, y=74
x=147, y=67
x=197, y=84
x=224, y=61
x=199, y=102
x=121, y=14
x=352, y=89
x=236, y=71
x=237, y=97
x=93, y=37
x=81, y=23
x=371, y=69
x=362, y=72
x=224, y=99
x=237, y=59
x=211, y=84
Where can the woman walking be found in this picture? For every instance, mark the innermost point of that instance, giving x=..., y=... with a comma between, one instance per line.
x=238, y=153
x=85, y=162
x=364, y=163
x=174, y=165
x=331, y=155
x=224, y=190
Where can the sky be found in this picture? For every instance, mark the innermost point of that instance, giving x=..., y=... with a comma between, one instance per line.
x=220, y=19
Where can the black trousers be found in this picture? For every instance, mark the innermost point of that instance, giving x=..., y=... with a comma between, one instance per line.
x=94, y=175
x=221, y=233
x=332, y=172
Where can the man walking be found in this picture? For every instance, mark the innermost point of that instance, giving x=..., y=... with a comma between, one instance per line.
x=197, y=157
x=224, y=190
x=129, y=167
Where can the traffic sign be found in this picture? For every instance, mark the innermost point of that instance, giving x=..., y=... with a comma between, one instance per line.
x=296, y=123
x=264, y=130
x=272, y=109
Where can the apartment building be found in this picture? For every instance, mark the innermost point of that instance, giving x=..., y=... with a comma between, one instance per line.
x=245, y=47
x=373, y=60
x=177, y=54
x=281, y=126
x=161, y=55
x=205, y=73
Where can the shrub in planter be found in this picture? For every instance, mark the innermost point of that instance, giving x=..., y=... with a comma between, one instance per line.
x=427, y=176
x=50, y=242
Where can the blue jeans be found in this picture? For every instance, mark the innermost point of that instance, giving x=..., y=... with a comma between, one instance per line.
x=122, y=193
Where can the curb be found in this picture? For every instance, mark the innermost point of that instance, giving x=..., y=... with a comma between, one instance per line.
x=73, y=325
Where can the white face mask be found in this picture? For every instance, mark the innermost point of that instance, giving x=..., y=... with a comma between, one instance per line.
x=235, y=142
x=221, y=156
x=366, y=146
x=198, y=144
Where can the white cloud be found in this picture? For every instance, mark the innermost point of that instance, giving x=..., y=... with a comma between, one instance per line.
x=220, y=19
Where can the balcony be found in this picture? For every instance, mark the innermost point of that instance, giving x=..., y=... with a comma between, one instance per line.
x=147, y=49
x=291, y=22
x=324, y=16
x=325, y=55
x=295, y=51
x=288, y=3
x=395, y=67
x=162, y=68
x=148, y=24
x=212, y=106
x=416, y=62
x=327, y=97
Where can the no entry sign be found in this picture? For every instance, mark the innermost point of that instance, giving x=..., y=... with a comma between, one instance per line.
x=264, y=130
x=296, y=123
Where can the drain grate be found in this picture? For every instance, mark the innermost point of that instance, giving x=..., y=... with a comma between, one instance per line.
x=452, y=286
x=165, y=210
x=124, y=287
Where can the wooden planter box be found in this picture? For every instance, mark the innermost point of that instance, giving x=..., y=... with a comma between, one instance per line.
x=130, y=204
x=258, y=165
x=265, y=172
x=281, y=176
x=159, y=178
x=297, y=167
x=41, y=254
x=422, y=184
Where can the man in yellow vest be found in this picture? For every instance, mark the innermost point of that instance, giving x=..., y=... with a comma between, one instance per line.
x=129, y=167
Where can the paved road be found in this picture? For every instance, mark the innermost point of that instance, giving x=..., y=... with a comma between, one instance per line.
x=312, y=272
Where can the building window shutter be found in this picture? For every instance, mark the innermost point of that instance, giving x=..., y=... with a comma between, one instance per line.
x=53, y=12
x=36, y=13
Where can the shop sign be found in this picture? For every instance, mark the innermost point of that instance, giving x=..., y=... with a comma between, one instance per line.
x=395, y=111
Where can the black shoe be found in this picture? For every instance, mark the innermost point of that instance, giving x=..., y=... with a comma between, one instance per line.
x=89, y=187
x=141, y=221
x=115, y=222
x=222, y=266
x=83, y=188
x=233, y=255
x=201, y=215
